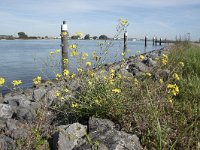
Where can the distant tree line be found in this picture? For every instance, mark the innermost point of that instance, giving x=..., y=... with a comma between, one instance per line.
x=88, y=37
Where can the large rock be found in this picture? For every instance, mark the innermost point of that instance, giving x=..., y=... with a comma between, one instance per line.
x=103, y=132
x=6, y=111
x=69, y=136
x=17, y=100
x=39, y=93
x=27, y=114
x=16, y=129
x=7, y=143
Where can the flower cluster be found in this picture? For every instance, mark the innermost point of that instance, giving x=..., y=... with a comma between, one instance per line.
x=37, y=80
x=116, y=90
x=16, y=82
x=58, y=76
x=175, y=76
x=2, y=81
x=66, y=73
x=164, y=59
x=173, y=89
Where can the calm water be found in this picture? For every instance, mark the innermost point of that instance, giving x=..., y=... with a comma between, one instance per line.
x=25, y=59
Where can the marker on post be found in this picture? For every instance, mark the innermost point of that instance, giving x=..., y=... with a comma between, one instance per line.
x=64, y=44
x=145, y=41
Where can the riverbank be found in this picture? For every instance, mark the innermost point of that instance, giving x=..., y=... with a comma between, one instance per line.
x=145, y=96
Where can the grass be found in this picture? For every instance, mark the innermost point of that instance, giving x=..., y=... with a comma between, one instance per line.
x=148, y=107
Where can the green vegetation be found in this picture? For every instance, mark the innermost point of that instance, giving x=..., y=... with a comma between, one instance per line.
x=162, y=112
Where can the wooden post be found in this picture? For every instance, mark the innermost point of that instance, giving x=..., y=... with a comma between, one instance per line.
x=156, y=40
x=153, y=40
x=64, y=44
x=145, y=41
x=160, y=41
x=125, y=41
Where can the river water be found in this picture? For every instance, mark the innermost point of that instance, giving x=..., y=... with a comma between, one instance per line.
x=25, y=59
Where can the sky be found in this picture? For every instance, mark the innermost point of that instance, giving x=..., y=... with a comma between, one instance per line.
x=162, y=18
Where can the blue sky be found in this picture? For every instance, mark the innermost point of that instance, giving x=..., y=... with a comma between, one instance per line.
x=163, y=18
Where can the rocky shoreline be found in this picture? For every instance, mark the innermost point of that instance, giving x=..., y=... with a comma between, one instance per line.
x=19, y=112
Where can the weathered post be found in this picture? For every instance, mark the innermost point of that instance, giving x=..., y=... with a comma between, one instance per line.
x=64, y=44
x=145, y=41
x=125, y=41
x=154, y=40
x=160, y=41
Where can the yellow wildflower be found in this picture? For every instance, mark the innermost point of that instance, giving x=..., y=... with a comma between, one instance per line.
x=119, y=76
x=164, y=56
x=16, y=82
x=2, y=81
x=58, y=76
x=79, y=70
x=73, y=75
x=51, y=53
x=136, y=82
x=123, y=22
x=65, y=61
x=73, y=46
x=142, y=57
x=57, y=51
x=161, y=81
x=97, y=101
x=88, y=64
x=37, y=80
x=173, y=89
x=164, y=61
x=74, y=53
x=148, y=74
x=74, y=105
x=116, y=90
x=123, y=53
x=89, y=82
x=58, y=93
x=66, y=90
x=175, y=76
x=66, y=72
x=91, y=74
x=84, y=56
x=181, y=64
x=62, y=98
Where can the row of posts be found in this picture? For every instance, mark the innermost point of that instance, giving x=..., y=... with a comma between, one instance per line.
x=64, y=43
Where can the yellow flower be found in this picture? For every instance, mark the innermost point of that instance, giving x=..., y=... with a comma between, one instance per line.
x=16, y=82
x=119, y=76
x=74, y=53
x=142, y=57
x=90, y=82
x=123, y=22
x=57, y=51
x=73, y=46
x=164, y=61
x=58, y=93
x=175, y=76
x=136, y=82
x=116, y=90
x=181, y=64
x=97, y=101
x=65, y=61
x=173, y=89
x=73, y=75
x=62, y=98
x=37, y=80
x=123, y=53
x=148, y=74
x=66, y=90
x=79, y=70
x=164, y=56
x=2, y=81
x=161, y=81
x=58, y=76
x=84, y=56
x=88, y=64
x=66, y=72
x=51, y=53
x=74, y=105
